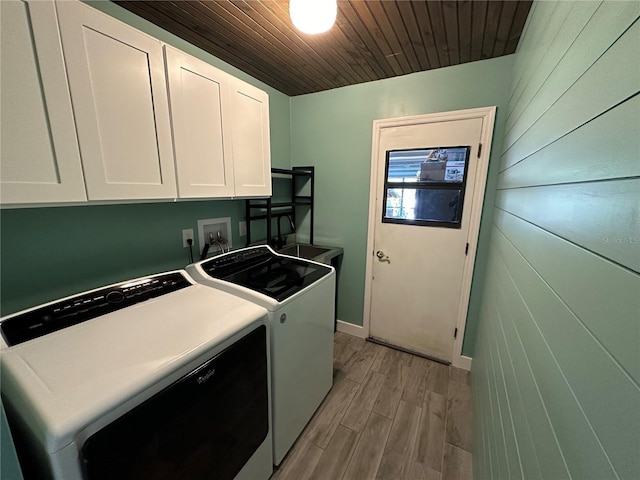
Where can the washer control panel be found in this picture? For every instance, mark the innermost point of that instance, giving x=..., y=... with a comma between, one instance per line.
x=86, y=306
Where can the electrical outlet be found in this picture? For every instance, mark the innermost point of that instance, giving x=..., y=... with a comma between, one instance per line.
x=242, y=229
x=187, y=234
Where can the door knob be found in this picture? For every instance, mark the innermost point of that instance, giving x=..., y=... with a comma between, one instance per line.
x=381, y=256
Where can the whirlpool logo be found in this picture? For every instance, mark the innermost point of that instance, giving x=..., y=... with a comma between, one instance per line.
x=205, y=377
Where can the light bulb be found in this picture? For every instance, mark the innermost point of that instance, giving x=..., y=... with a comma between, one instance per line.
x=313, y=16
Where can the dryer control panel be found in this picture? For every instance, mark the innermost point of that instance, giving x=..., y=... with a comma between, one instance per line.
x=86, y=306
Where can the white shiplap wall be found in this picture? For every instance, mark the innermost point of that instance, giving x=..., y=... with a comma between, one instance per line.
x=556, y=372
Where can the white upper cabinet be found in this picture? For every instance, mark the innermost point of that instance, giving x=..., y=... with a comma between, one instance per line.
x=199, y=99
x=250, y=142
x=220, y=131
x=95, y=110
x=39, y=157
x=118, y=88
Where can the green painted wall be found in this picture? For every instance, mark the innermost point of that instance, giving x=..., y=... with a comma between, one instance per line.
x=9, y=467
x=46, y=253
x=556, y=370
x=52, y=252
x=332, y=130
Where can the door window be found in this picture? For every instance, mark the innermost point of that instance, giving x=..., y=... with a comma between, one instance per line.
x=425, y=186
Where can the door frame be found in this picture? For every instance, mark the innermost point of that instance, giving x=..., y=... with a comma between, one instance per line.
x=487, y=114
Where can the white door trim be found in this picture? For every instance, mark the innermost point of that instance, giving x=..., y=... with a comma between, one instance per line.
x=487, y=114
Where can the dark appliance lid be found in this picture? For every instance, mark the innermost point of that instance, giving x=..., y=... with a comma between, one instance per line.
x=266, y=272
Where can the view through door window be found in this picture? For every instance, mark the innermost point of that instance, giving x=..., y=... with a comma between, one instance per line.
x=425, y=186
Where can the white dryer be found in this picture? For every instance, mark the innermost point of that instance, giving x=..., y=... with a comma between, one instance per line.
x=157, y=377
x=299, y=295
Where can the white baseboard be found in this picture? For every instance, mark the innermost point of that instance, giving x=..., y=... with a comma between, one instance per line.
x=351, y=329
x=462, y=362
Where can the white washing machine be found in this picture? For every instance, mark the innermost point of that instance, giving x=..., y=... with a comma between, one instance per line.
x=299, y=295
x=157, y=377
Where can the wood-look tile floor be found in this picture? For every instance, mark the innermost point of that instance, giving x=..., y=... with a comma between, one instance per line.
x=390, y=415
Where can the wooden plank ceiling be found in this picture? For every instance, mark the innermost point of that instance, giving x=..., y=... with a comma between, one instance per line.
x=371, y=40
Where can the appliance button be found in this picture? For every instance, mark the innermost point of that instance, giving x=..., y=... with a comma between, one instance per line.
x=115, y=297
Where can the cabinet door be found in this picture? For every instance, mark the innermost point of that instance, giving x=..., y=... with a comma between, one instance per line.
x=118, y=88
x=198, y=95
x=251, y=146
x=39, y=159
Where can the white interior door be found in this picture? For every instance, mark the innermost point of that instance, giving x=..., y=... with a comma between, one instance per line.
x=422, y=227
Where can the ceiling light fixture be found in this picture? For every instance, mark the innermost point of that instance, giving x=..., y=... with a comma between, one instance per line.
x=313, y=16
